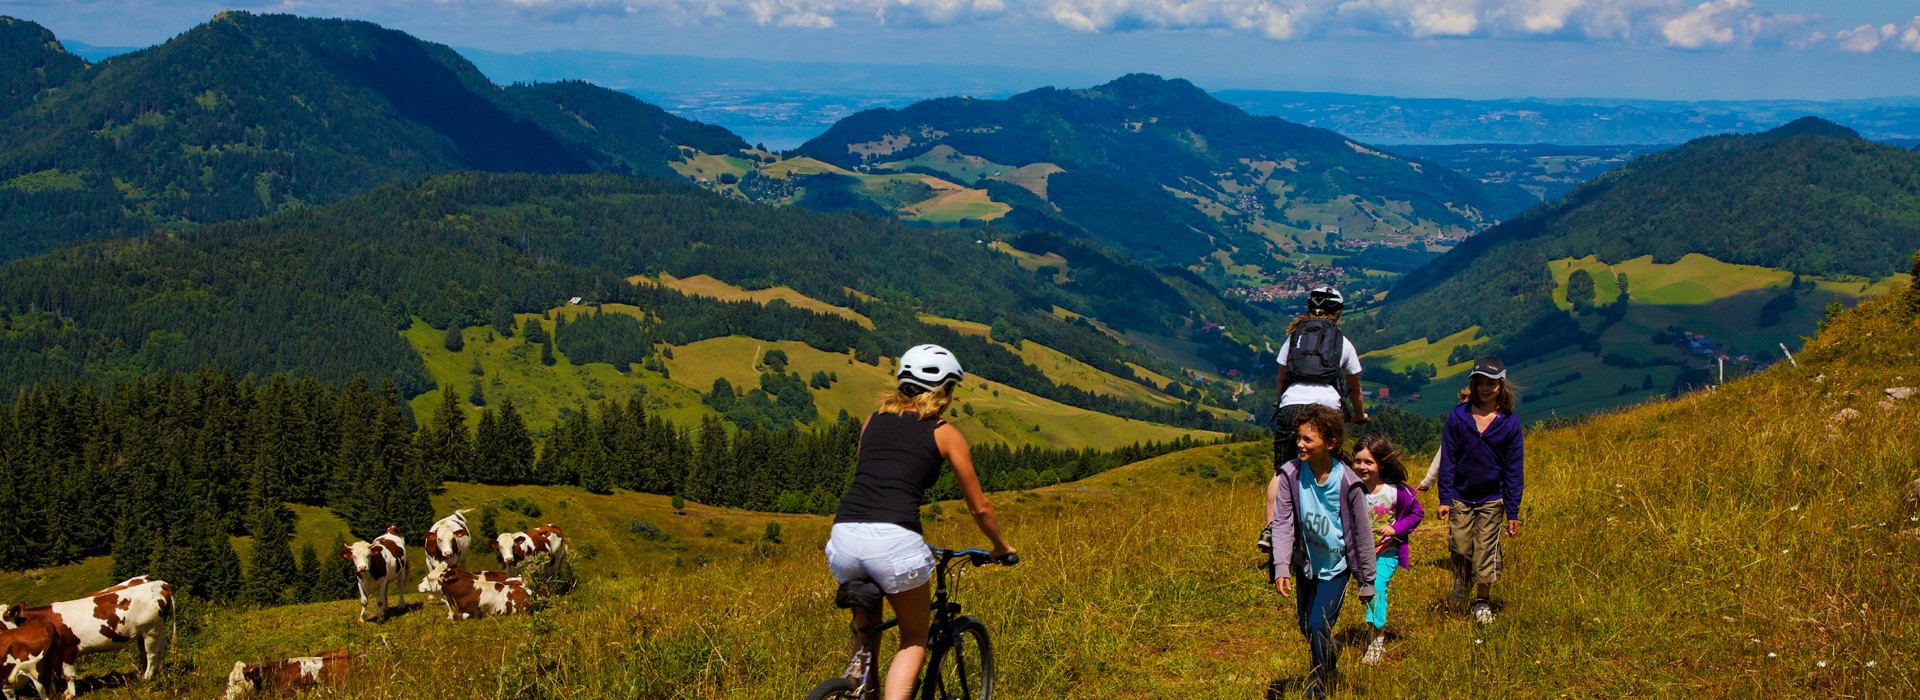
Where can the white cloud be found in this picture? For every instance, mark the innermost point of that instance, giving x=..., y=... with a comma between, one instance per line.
x=1862, y=39
x=1910, y=36
x=1710, y=24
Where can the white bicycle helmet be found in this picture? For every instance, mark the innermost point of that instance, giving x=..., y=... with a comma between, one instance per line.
x=1325, y=300
x=927, y=368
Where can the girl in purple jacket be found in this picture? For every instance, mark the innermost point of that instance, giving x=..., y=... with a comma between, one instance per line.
x=1394, y=511
x=1482, y=476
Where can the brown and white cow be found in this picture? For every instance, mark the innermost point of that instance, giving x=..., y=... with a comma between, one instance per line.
x=34, y=652
x=136, y=610
x=380, y=565
x=327, y=668
x=445, y=545
x=516, y=548
x=476, y=594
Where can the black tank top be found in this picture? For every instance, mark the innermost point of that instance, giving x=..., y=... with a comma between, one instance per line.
x=899, y=461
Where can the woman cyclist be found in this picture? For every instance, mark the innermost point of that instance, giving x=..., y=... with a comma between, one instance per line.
x=876, y=533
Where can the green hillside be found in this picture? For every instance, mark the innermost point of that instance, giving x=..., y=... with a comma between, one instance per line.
x=1163, y=171
x=1140, y=582
x=1745, y=240
x=250, y=114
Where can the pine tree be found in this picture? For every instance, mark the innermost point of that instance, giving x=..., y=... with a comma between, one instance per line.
x=546, y=352
x=503, y=320
x=444, y=445
x=516, y=446
x=535, y=332
x=455, y=341
x=271, y=571
x=336, y=579
x=478, y=396
x=307, y=576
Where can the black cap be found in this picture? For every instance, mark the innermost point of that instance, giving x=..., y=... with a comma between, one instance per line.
x=1489, y=367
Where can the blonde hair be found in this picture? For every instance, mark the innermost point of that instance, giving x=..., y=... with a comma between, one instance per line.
x=1502, y=401
x=928, y=404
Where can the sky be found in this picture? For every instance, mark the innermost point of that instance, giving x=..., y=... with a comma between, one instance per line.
x=1652, y=49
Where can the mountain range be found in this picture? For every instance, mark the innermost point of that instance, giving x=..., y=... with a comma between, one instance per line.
x=249, y=114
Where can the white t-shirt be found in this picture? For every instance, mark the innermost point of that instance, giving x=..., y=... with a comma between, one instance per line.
x=1323, y=394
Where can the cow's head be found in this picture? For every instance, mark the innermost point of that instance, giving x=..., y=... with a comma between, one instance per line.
x=504, y=545
x=242, y=680
x=393, y=530
x=13, y=615
x=363, y=556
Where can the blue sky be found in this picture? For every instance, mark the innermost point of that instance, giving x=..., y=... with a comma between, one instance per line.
x=1662, y=49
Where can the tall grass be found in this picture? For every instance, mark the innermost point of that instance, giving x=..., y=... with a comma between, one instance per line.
x=1728, y=544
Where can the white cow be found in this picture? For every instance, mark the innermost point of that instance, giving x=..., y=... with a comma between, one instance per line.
x=445, y=546
x=136, y=610
x=380, y=565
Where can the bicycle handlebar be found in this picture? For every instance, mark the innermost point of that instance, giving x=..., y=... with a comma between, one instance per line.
x=978, y=557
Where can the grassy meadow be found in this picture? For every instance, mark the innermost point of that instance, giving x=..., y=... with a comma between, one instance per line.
x=1733, y=543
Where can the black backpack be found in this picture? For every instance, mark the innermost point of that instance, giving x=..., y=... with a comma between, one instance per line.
x=1313, y=353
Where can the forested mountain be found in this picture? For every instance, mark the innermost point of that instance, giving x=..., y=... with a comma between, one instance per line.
x=249, y=114
x=1724, y=247
x=1164, y=171
x=324, y=290
x=31, y=60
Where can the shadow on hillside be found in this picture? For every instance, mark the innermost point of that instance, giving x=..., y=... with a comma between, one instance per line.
x=396, y=611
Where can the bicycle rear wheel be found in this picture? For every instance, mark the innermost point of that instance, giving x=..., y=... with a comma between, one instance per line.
x=963, y=668
x=835, y=689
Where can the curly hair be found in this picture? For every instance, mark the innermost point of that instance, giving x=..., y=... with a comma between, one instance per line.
x=1393, y=468
x=1326, y=421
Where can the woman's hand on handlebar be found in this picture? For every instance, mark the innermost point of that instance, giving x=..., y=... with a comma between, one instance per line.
x=1005, y=555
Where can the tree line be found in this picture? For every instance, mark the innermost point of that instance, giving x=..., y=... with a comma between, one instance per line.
x=159, y=472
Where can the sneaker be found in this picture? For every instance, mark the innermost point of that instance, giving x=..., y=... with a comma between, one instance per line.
x=1460, y=588
x=1482, y=612
x=1375, y=651
x=1265, y=543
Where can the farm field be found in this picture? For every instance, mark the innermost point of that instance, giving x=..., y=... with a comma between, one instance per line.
x=1001, y=414
x=707, y=286
x=512, y=369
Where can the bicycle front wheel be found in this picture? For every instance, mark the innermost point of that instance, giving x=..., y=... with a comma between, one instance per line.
x=962, y=669
x=836, y=689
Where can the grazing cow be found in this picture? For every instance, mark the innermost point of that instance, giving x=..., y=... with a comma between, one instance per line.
x=34, y=652
x=517, y=547
x=445, y=545
x=136, y=610
x=381, y=565
x=476, y=594
x=328, y=667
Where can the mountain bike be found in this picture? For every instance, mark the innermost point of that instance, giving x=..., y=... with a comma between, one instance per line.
x=959, y=653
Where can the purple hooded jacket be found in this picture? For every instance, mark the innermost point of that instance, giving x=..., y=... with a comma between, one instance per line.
x=1477, y=467
x=1290, y=550
x=1407, y=515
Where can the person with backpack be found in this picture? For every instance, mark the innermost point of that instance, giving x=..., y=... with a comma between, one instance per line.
x=1313, y=362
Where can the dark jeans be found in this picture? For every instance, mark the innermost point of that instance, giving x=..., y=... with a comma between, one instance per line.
x=1286, y=445
x=1318, y=603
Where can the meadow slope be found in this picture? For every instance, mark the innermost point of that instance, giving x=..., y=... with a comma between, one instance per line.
x=1734, y=543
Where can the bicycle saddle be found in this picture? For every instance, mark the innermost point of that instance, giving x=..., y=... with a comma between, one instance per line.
x=859, y=594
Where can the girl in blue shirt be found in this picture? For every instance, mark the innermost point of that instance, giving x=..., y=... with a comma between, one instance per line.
x=1322, y=536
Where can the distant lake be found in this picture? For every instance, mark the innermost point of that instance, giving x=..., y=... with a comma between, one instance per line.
x=776, y=137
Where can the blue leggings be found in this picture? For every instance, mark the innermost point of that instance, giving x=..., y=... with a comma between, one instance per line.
x=1319, y=608
x=1382, y=574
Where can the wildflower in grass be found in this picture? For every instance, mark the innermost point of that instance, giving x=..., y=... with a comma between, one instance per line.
x=1821, y=664
x=1871, y=664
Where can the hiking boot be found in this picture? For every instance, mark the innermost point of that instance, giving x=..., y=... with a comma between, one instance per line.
x=1482, y=612
x=1375, y=651
x=1265, y=543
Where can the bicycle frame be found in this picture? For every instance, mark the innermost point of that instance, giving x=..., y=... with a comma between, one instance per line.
x=939, y=637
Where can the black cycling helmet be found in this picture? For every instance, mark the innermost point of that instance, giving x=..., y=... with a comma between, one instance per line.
x=1325, y=301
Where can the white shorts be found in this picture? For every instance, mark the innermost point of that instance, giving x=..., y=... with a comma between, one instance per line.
x=889, y=555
